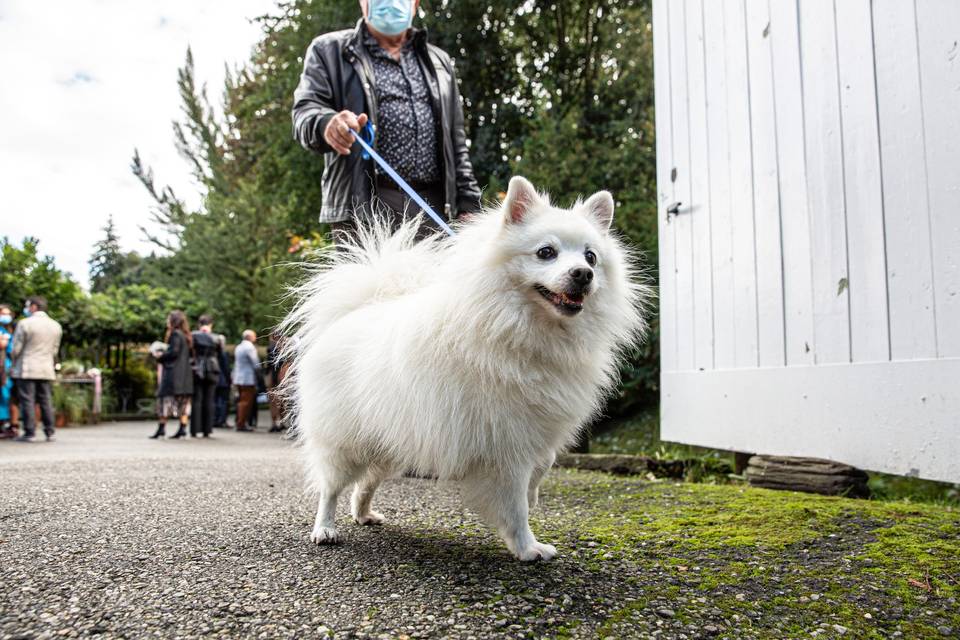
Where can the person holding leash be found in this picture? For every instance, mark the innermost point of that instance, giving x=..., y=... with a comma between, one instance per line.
x=384, y=73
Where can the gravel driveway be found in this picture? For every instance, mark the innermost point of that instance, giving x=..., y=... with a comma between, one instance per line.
x=107, y=533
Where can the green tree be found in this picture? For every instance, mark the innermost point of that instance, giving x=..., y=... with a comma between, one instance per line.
x=231, y=251
x=24, y=272
x=107, y=261
x=126, y=314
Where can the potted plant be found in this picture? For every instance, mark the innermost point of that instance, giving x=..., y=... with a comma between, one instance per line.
x=69, y=404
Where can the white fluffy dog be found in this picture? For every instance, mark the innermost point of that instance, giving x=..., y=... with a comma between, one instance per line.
x=474, y=359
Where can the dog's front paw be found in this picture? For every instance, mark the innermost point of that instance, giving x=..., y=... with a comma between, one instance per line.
x=325, y=535
x=536, y=551
x=368, y=518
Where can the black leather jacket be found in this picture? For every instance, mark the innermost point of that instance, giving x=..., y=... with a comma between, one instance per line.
x=337, y=75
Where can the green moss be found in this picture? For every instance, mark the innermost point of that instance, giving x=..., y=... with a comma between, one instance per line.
x=865, y=565
x=919, y=552
x=707, y=516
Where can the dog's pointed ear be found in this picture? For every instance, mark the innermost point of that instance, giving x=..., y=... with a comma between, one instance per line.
x=521, y=196
x=599, y=207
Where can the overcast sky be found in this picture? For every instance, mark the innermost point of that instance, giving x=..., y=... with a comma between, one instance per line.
x=83, y=83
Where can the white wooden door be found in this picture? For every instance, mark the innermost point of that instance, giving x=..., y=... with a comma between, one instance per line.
x=810, y=279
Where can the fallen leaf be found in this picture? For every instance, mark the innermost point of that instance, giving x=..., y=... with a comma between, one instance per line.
x=920, y=585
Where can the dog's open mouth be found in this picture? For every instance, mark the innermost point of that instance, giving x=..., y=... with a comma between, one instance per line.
x=567, y=303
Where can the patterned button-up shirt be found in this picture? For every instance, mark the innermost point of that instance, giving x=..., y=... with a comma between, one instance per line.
x=406, y=127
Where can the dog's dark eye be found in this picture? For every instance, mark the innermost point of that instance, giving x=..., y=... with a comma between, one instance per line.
x=590, y=257
x=546, y=253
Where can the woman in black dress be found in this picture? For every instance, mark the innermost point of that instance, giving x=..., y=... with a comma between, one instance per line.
x=175, y=387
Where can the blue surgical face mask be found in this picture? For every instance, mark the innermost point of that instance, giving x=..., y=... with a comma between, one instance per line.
x=5, y=318
x=391, y=17
x=26, y=312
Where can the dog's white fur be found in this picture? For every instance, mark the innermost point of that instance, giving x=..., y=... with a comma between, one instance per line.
x=440, y=357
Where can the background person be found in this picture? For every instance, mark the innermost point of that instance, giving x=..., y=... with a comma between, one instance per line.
x=206, y=373
x=35, y=345
x=384, y=70
x=222, y=393
x=246, y=364
x=7, y=403
x=175, y=389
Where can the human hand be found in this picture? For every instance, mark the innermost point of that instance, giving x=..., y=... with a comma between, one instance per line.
x=337, y=134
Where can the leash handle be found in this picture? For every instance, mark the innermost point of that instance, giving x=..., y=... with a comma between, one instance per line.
x=367, y=152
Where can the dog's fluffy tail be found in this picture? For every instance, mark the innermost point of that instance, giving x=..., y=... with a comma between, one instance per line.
x=374, y=264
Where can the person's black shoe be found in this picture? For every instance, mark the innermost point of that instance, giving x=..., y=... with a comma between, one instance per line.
x=161, y=431
x=24, y=438
x=206, y=435
x=181, y=432
x=51, y=437
x=247, y=429
x=276, y=429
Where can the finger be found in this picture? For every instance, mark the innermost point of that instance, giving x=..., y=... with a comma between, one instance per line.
x=362, y=119
x=350, y=119
x=345, y=140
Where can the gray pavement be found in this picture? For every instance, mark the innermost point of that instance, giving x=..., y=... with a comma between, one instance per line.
x=107, y=533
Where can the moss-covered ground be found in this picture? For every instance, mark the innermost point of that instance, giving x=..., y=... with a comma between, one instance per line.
x=733, y=561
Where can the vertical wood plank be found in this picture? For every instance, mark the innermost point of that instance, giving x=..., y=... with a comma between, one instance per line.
x=680, y=173
x=794, y=213
x=741, y=189
x=938, y=29
x=699, y=189
x=665, y=194
x=905, y=203
x=766, y=196
x=863, y=191
x=718, y=147
x=825, y=193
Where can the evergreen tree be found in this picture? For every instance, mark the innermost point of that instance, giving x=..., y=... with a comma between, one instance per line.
x=107, y=261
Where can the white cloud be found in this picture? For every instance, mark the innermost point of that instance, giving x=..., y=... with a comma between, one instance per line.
x=83, y=83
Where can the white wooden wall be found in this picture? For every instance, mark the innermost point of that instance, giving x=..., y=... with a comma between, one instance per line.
x=810, y=282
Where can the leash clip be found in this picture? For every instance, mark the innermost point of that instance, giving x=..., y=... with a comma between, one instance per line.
x=368, y=135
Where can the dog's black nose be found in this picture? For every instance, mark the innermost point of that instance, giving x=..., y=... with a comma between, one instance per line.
x=581, y=275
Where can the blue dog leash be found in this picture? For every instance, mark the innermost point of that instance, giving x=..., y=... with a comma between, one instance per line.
x=368, y=153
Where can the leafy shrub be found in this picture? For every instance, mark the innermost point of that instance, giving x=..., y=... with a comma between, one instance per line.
x=71, y=400
x=138, y=380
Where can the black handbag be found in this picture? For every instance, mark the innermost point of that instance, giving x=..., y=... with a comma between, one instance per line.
x=211, y=368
